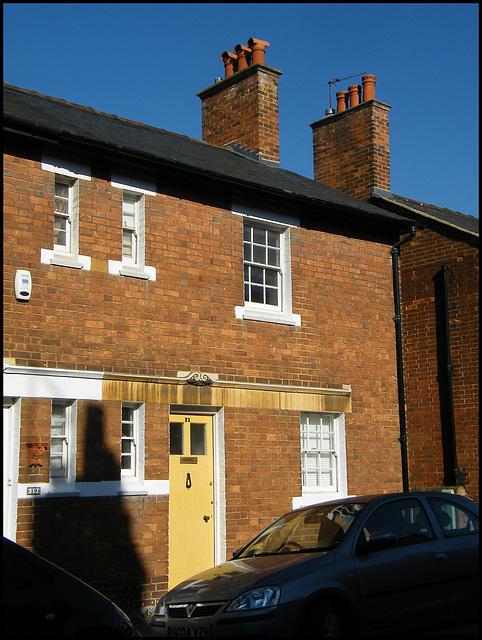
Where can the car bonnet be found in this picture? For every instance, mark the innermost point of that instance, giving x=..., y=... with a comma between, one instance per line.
x=228, y=580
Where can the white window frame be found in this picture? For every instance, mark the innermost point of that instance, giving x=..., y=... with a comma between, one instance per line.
x=134, y=440
x=134, y=187
x=69, y=172
x=135, y=230
x=71, y=216
x=267, y=266
x=282, y=313
x=67, y=455
x=330, y=445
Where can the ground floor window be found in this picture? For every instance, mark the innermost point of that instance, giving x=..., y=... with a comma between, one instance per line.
x=322, y=452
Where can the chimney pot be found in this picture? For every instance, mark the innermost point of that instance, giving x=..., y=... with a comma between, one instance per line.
x=258, y=48
x=244, y=55
x=354, y=91
x=368, y=83
x=228, y=59
x=341, y=99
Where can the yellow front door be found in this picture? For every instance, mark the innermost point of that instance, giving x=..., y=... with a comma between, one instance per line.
x=191, y=496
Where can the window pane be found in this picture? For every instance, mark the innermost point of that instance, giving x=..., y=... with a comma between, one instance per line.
x=273, y=238
x=61, y=205
x=271, y=277
x=259, y=254
x=126, y=446
x=127, y=430
x=257, y=275
x=259, y=235
x=126, y=462
x=247, y=232
x=62, y=189
x=272, y=297
x=127, y=414
x=273, y=257
x=257, y=294
x=198, y=439
x=175, y=439
x=56, y=446
x=247, y=252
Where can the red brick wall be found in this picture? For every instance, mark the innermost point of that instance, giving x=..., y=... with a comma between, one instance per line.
x=351, y=151
x=244, y=109
x=185, y=320
x=421, y=259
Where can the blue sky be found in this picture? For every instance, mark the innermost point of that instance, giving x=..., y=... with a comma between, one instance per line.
x=147, y=62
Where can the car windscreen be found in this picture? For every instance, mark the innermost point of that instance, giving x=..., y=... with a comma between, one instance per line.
x=319, y=528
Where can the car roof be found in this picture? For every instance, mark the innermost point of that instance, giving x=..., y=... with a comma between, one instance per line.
x=365, y=499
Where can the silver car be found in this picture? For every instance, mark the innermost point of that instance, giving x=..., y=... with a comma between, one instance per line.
x=357, y=566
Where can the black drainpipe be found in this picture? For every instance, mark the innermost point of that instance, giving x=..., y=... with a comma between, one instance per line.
x=453, y=474
x=395, y=253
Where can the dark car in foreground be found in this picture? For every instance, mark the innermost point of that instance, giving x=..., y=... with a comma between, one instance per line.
x=371, y=565
x=40, y=600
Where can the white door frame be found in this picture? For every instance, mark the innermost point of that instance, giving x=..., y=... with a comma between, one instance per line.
x=11, y=445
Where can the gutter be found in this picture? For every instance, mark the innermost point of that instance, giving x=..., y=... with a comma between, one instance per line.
x=32, y=128
x=395, y=253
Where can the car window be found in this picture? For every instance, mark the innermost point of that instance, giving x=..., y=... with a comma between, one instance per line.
x=454, y=520
x=406, y=519
x=312, y=529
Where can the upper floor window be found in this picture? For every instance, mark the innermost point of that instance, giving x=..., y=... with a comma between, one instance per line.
x=262, y=266
x=130, y=228
x=132, y=255
x=67, y=175
x=267, y=272
x=63, y=215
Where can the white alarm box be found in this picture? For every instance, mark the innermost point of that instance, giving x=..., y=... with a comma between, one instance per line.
x=23, y=284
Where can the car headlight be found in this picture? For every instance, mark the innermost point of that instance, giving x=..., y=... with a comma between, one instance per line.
x=160, y=609
x=256, y=599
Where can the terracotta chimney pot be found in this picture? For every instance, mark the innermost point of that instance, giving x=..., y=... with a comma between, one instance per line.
x=341, y=98
x=354, y=91
x=244, y=54
x=258, y=48
x=368, y=87
x=228, y=59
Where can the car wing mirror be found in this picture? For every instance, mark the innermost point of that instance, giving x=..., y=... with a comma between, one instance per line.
x=236, y=551
x=379, y=540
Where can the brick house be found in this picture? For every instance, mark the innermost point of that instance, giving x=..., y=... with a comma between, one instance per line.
x=195, y=340
x=439, y=296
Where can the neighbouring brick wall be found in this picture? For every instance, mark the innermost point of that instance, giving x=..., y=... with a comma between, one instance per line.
x=421, y=260
x=351, y=151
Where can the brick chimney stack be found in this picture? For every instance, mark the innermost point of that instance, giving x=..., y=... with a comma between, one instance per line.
x=241, y=110
x=350, y=148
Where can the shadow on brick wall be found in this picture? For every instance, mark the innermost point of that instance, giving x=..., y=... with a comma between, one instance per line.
x=91, y=536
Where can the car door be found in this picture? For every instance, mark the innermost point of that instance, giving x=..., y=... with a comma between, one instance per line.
x=460, y=529
x=405, y=583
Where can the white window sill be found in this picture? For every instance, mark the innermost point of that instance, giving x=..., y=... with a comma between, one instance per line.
x=65, y=489
x=120, y=269
x=244, y=313
x=310, y=498
x=48, y=256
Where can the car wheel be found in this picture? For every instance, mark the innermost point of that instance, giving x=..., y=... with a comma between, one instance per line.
x=325, y=621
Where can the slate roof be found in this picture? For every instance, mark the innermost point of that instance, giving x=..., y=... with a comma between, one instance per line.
x=422, y=211
x=37, y=113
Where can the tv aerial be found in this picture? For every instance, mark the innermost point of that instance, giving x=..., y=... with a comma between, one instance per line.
x=335, y=80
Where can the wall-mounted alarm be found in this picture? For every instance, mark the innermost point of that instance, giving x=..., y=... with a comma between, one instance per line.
x=23, y=284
